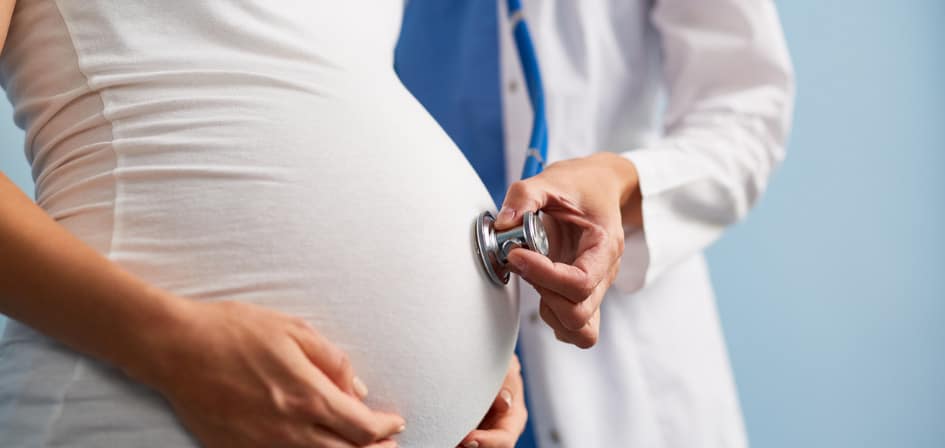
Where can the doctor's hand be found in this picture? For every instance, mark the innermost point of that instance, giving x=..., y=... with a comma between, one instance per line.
x=239, y=375
x=586, y=203
x=505, y=421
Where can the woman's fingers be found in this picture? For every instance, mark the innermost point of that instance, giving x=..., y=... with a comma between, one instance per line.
x=511, y=387
x=506, y=420
x=338, y=407
x=491, y=438
x=522, y=196
x=297, y=380
x=323, y=438
x=330, y=359
x=352, y=419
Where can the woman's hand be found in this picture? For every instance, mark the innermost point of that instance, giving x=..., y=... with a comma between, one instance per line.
x=586, y=203
x=238, y=375
x=504, y=423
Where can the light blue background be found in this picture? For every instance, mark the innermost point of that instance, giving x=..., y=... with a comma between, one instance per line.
x=832, y=293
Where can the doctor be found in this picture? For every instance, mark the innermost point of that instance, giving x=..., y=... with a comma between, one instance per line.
x=666, y=119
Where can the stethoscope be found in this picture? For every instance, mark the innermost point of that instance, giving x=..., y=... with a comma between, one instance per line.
x=494, y=247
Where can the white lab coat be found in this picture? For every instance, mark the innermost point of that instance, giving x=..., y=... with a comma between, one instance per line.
x=699, y=96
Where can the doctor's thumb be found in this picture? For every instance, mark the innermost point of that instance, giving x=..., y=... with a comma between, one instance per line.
x=528, y=195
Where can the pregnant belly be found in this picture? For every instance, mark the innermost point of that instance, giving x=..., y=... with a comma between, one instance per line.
x=352, y=211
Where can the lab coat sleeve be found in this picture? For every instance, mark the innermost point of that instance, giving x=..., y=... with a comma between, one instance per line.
x=730, y=97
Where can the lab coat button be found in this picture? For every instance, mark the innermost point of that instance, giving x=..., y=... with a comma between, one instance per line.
x=533, y=318
x=555, y=437
x=513, y=86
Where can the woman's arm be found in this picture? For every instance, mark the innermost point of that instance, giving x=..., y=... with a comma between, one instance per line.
x=236, y=374
x=61, y=287
x=65, y=289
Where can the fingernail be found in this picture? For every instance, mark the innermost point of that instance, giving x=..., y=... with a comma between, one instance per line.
x=359, y=387
x=471, y=444
x=401, y=429
x=506, y=397
x=506, y=214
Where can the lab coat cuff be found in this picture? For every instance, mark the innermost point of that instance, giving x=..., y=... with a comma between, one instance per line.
x=646, y=250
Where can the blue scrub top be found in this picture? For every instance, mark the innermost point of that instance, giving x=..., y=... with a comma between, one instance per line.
x=448, y=57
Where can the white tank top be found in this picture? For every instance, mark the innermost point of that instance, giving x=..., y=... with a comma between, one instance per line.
x=253, y=150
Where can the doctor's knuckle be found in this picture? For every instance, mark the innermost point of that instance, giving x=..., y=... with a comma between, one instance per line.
x=572, y=321
x=620, y=245
x=582, y=313
x=586, y=341
x=545, y=312
x=574, y=317
x=585, y=286
x=551, y=322
x=598, y=232
x=586, y=337
x=518, y=189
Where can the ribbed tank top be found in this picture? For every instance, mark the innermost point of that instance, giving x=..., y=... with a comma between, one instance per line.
x=261, y=151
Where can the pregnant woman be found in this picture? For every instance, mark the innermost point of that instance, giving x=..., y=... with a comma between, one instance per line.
x=246, y=208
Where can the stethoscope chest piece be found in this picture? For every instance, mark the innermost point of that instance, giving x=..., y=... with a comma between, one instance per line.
x=494, y=247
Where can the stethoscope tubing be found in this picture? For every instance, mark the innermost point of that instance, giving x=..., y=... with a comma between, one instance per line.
x=537, y=154
x=493, y=247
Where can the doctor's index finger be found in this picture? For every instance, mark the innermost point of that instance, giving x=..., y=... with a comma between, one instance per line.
x=576, y=281
x=529, y=195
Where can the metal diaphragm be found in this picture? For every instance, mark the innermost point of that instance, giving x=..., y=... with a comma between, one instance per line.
x=494, y=247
